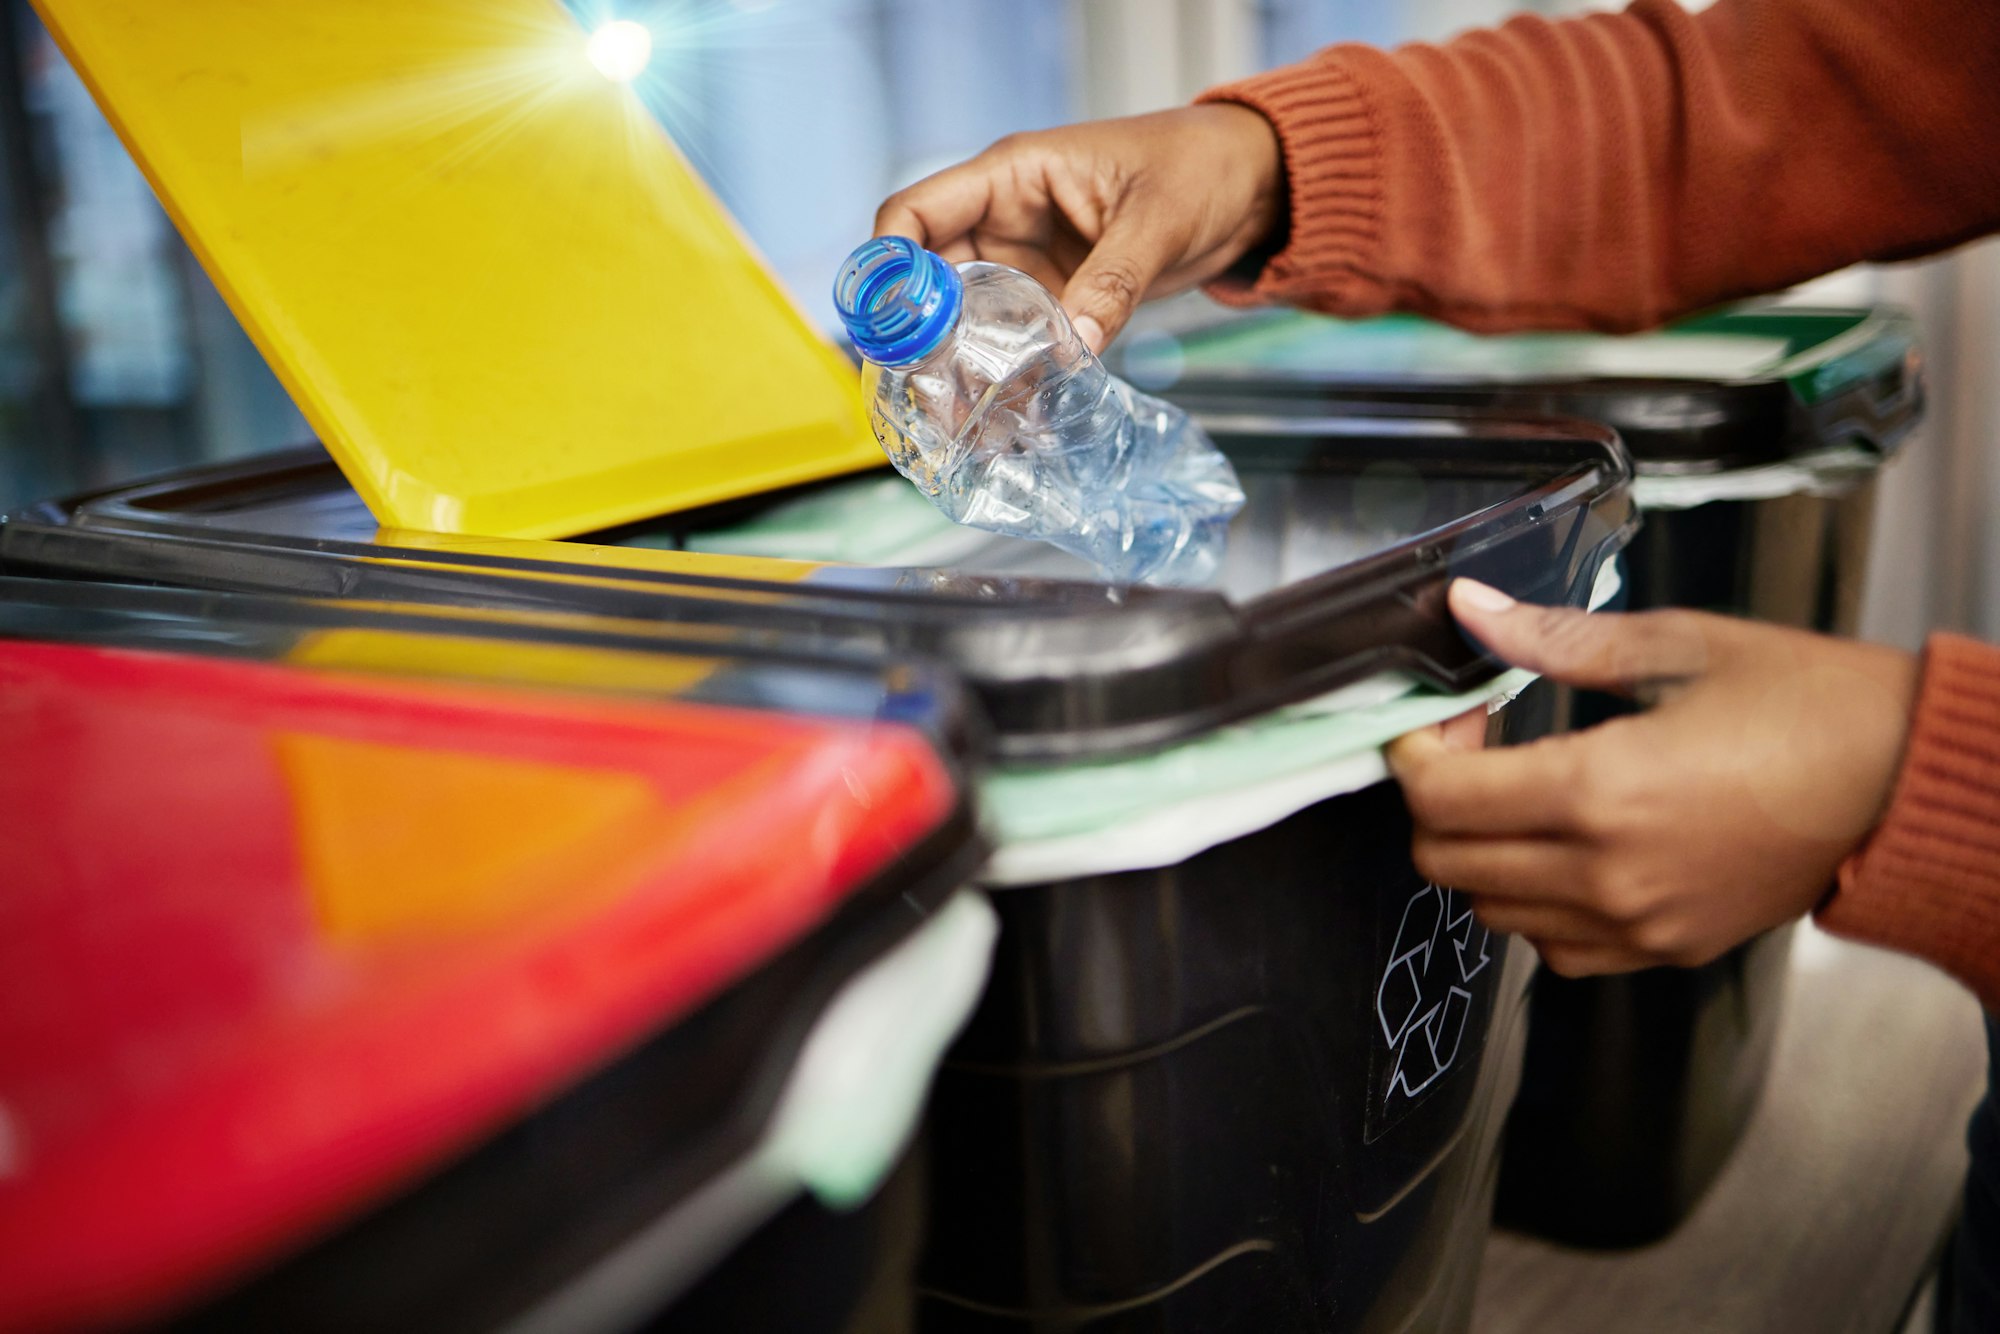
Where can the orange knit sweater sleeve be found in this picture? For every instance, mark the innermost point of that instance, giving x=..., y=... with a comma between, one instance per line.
x=1928, y=879
x=1614, y=170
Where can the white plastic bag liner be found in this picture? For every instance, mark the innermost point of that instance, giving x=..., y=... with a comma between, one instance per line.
x=1828, y=473
x=846, y=1113
x=1057, y=822
x=1072, y=820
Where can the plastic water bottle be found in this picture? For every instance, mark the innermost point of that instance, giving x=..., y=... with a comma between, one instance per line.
x=983, y=395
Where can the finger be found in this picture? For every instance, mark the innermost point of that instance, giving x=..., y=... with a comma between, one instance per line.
x=1543, y=921
x=1413, y=750
x=1596, y=650
x=1112, y=279
x=1542, y=870
x=1530, y=789
x=1579, y=960
x=1465, y=732
x=940, y=209
x=1030, y=257
x=958, y=252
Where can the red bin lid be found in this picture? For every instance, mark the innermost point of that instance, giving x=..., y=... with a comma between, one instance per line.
x=274, y=939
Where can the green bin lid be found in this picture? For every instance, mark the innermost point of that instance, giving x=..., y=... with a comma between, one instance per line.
x=1736, y=387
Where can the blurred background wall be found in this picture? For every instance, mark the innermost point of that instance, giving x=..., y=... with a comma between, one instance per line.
x=118, y=358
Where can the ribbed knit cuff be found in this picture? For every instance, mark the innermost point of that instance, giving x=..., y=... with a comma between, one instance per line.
x=1333, y=176
x=1927, y=882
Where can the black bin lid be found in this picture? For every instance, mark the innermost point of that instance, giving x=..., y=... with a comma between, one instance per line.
x=1336, y=570
x=1738, y=387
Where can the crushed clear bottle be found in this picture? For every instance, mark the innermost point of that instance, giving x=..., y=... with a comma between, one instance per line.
x=982, y=394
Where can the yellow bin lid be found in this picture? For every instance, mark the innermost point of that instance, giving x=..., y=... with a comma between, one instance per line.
x=482, y=270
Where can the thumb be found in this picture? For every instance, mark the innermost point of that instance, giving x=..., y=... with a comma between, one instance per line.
x=1627, y=654
x=1114, y=277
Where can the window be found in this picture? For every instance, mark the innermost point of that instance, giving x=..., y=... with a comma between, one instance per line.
x=117, y=357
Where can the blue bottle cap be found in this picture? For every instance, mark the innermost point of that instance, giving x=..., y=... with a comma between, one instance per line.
x=897, y=299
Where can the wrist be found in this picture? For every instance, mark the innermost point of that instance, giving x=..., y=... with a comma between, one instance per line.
x=1253, y=148
x=1321, y=239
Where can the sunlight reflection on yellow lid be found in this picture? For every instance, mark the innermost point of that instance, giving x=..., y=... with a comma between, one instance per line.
x=620, y=50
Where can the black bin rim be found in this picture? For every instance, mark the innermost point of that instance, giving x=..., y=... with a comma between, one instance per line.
x=1063, y=669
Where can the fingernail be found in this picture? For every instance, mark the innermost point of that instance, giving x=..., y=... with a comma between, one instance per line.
x=1092, y=333
x=1480, y=597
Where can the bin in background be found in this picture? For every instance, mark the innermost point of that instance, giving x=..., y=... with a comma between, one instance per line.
x=1254, y=1080
x=1757, y=433
x=348, y=988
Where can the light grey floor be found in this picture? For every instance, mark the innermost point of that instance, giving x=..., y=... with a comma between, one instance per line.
x=1825, y=1218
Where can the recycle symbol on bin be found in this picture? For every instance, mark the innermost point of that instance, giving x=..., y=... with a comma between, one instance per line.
x=1423, y=1002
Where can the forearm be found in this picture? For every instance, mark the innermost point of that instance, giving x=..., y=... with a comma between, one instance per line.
x=1614, y=170
x=1928, y=881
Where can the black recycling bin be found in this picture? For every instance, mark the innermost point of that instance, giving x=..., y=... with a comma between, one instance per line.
x=1757, y=433
x=369, y=968
x=1239, y=1067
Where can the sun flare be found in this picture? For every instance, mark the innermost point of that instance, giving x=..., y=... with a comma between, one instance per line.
x=620, y=50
